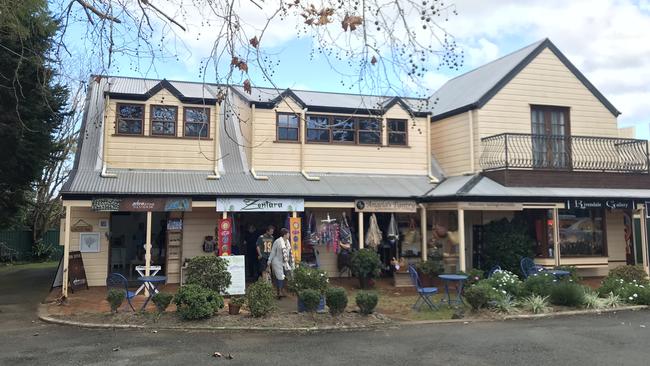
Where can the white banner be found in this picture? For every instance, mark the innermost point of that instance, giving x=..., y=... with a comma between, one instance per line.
x=260, y=204
x=237, y=269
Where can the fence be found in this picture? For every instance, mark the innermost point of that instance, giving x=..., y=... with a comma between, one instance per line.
x=21, y=242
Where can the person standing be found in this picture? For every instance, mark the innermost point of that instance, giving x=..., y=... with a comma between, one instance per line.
x=264, y=246
x=281, y=261
x=250, y=243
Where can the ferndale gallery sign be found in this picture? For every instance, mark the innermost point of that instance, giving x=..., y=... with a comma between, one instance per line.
x=248, y=204
x=586, y=204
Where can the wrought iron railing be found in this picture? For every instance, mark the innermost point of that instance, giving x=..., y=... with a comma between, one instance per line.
x=581, y=153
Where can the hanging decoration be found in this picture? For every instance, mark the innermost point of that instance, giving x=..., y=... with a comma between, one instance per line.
x=295, y=235
x=345, y=234
x=392, y=234
x=373, y=235
x=225, y=236
x=312, y=236
x=329, y=233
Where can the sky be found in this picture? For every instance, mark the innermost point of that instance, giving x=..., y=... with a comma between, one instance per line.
x=609, y=41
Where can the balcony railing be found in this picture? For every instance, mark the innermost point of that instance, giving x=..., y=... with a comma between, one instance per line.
x=578, y=153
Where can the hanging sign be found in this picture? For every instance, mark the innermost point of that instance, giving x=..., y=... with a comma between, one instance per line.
x=237, y=269
x=385, y=206
x=225, y=236
x=142, y=204
x=81, y=226
x=227, y=204
x=295, y=236
x=76, y=271
x=586, y=204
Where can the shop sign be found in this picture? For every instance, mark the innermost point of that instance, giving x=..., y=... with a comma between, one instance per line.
x=295, y=236
x=385, y=206
x=237, y=269
x=225, y=236
x=582, y=204
x=76, y=271
x=260, y=204
x=142, y=204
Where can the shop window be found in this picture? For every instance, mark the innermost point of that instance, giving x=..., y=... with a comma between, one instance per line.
x=369, y=131
x=397, y=132
x=540, y=229
x=343, y=129
x=130, y=119
x=318, y=128
x=582, y=233
x=288, y=128
x=196, y=122
x=163, y=120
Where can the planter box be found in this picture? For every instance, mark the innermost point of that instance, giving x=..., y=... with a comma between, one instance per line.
x=402, y=279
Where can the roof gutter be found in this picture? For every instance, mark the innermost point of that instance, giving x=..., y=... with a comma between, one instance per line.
x=303, y=117
x=217, y=134
x=432, y=179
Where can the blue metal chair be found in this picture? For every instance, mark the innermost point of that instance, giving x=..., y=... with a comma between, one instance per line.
x=493, y=270
x=424, y=293
x=528, y=267
x=119, y=282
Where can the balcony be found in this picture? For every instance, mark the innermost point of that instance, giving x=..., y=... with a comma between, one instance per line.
x=566, y=161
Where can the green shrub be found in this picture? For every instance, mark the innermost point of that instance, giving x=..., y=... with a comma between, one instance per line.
x=367, y=301
x=536, y=304
x=612, y=301
x=507, y=242
x=430, y=267
x=115, y=298
x=310, y=299
x=237, y=300
x=505, y=304
x=306, y=278
x=539, y=284
x=567, y=294
x=365, y=264
x=260, y=298
x=473, y=276
x=481, y=295
x=506, y=282
x=611, y=285
x=593, y=301
x=635, y=293
x=336, y=299
x=629, y=274
x=573, y=273
x=210, y=272
x=162, y=301
x=196, y=302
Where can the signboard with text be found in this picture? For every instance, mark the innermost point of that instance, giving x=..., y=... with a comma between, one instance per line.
x=586, y=204
x=237, y=269
x=142, y=204
x=295, y=236
x=407, y=206
x=227, y=204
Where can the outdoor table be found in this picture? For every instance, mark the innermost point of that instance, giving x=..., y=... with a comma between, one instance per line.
x=153, y=270
x=150, y=282
x=558, y=273
x=459, y=280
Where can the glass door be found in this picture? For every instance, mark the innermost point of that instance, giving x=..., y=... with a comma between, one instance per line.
x=550, y=137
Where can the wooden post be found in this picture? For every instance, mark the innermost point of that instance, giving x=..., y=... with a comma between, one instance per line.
x=147, y=247
x=66, y=250
x=360, y=230
x=224, y=215
x=461, y=240
x=644, y=240
x=423, y=231
x=294, y=214
x=556, y=236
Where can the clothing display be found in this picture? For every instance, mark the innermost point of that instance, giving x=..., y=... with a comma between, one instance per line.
x=373, y=235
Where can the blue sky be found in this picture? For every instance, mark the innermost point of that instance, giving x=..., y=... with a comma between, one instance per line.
x=609, y=41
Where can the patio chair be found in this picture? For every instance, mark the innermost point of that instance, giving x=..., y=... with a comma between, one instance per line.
x=424, y=293
x=493, y=270
x=119, y=282
x=528, y=267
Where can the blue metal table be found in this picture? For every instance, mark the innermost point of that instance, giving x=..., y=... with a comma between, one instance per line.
x=459, y=281
x=151, y=283
x=558, y=273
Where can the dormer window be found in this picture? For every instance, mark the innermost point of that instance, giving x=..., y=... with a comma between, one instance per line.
x=369, y=131
x=397, y=132
x=288, y=128
x=196, y=122
x=163, y=120
x=130, y=119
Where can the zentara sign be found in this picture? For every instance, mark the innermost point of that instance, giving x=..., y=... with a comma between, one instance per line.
x=385, y=206
x=260, y=204
x=587, y=204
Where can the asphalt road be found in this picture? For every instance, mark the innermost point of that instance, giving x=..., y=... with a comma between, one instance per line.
x=613, y=339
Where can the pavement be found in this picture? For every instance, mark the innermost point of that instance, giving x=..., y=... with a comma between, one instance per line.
x=621, y=338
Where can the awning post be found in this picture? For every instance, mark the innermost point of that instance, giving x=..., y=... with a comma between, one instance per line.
x=360, y=230
x=556, y=236
x=461, y=240
x=66, y=250
x=423, y=231
x=644, y=240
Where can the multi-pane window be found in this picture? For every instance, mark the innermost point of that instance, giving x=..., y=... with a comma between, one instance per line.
x=369, y=131
x=397, y=132
x=288, y=127
x=130, y=119
x=196, y=122
x=163, y=120
x=343, y=129
x=318, y=129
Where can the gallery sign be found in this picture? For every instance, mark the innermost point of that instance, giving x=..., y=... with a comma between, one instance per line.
x=142, y=204
x=407, y=206
x=586, y=204
x=227, y=204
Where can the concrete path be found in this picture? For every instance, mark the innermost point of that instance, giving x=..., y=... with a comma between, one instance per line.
x=611, y=339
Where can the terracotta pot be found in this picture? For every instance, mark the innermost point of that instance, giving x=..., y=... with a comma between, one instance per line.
x=233, y=309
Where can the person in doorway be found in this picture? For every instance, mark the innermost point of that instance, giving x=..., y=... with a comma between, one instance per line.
x=250, y=241
x=281, y=261
x=264, y=245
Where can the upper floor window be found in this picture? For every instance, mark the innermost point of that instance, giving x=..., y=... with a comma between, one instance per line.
x=343, y=129
x=163, y=120
x=318, y=129
x=369, y=132
x=130, y=119
x=397, y=132
x=196, y=122
x=550, y=141
x=288, y=127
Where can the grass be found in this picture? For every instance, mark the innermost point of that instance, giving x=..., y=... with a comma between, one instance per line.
x=9, y=267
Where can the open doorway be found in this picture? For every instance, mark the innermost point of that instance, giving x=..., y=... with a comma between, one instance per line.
x=248, y=228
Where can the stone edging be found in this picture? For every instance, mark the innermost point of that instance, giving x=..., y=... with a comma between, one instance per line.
x=576, y=312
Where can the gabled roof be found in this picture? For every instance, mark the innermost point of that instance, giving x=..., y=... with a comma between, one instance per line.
x=143, y=89
x=475, y=88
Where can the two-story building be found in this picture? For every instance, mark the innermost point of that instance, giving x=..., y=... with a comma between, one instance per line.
x=166, y=168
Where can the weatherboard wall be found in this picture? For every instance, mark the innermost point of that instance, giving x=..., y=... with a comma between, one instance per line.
x=450, y=144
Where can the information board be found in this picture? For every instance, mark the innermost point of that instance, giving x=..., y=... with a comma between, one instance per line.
x=237, y=269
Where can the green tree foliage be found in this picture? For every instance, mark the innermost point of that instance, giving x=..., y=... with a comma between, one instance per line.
x=31, y=103
x=506, y=242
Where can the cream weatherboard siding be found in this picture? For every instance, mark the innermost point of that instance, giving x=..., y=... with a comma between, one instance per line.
x=197, y=224
x=95, y=264
x=615, y=238
x=270, y=155
x=450, y=143
x=147, y=152
x=545, y=81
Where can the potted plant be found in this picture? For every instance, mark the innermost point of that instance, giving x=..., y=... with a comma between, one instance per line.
x=428, y=271
x=307, y=278
x=365, y=265
x=235, y=304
